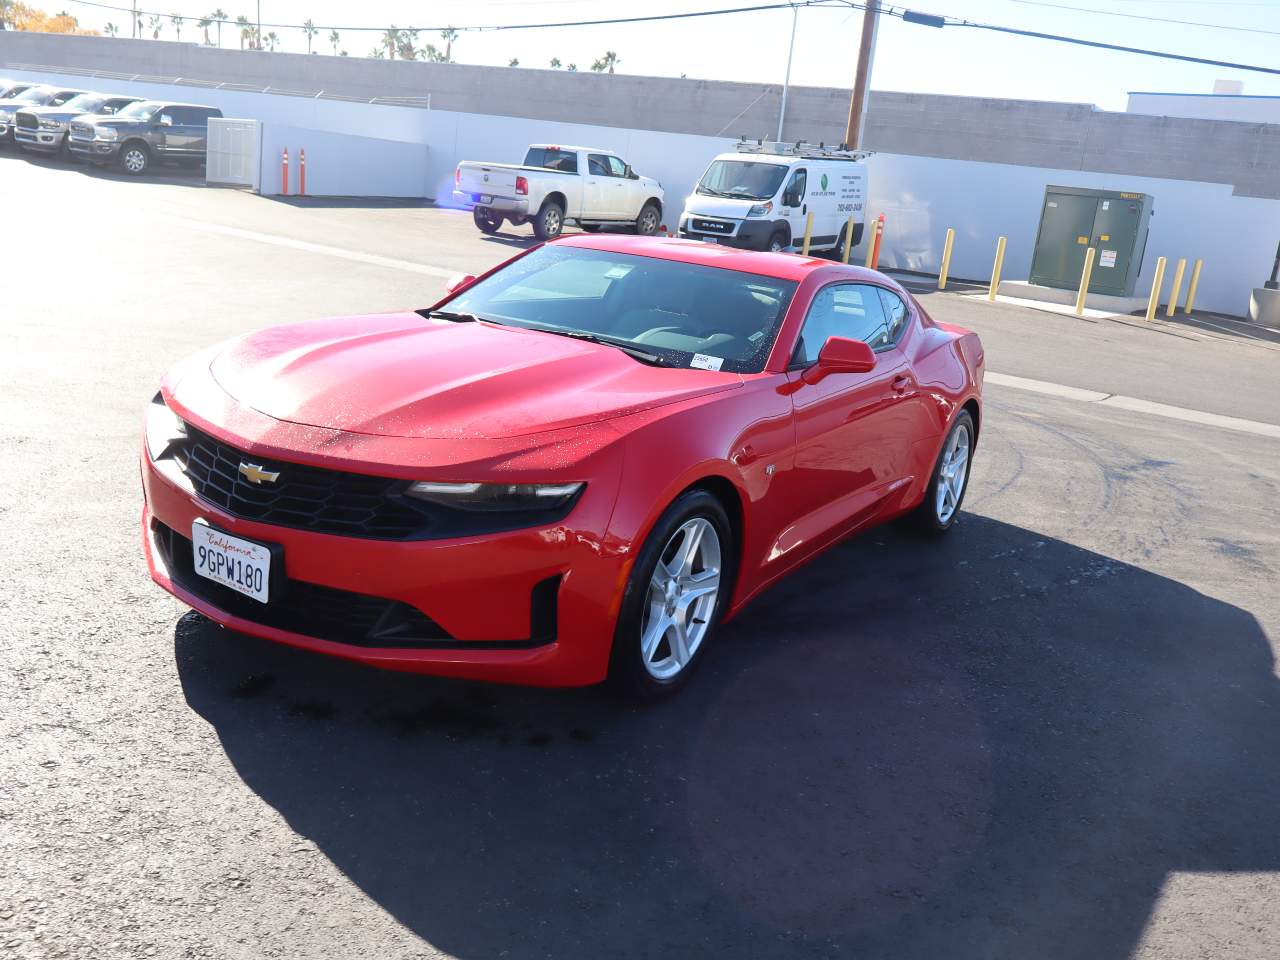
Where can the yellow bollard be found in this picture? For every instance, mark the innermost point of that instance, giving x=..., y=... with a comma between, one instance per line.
x=995, y=270
x=1177, y=288
x=808, y=232
x=1195, y=282
x=848, y=238
x=1153, y=301
x=1084, y=280
x=871, y=242
x=946, y=258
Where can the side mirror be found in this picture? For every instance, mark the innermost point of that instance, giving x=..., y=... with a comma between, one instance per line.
x=631, y=174
x=459, y=281
x=840, y=355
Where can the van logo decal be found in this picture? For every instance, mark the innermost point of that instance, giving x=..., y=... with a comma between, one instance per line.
x=824, y=181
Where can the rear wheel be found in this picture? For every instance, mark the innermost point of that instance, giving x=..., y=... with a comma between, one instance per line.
x=937, y=514
x=678, y=588
x=486, y=219
x=649, y=220
x=135, y=158
x=549, y=221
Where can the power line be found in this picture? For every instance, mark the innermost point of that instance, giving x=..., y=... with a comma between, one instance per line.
x=1143, y=16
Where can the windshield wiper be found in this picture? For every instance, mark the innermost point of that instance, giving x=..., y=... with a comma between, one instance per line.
x=711, y=192
x=644, y=356
x=455, y=316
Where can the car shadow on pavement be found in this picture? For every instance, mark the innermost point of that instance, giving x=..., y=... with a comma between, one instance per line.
x=996, y=746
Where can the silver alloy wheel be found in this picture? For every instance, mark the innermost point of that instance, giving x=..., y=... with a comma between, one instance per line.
x=552, y=222
x=648, y=222
x=135, y=161
x=953, y=474
x=682, y=598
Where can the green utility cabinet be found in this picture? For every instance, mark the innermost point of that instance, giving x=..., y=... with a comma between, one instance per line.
x=1074, y=219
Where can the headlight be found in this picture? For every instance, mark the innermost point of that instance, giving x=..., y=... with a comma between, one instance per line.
x=497, y=497
x=49, y=124
x=164, y=428
x=761, y=210
x=107, y=133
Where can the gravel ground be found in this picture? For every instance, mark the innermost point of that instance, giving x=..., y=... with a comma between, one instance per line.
x=1053, y=735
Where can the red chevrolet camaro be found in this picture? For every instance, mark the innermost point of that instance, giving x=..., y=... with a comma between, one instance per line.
x=571, y=468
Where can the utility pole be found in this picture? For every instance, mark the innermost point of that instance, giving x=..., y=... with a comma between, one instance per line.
x=786, y=82
x=258, y=39
x=862, y=79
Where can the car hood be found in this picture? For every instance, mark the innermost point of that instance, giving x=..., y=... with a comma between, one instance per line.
x=53, y=113
x=399, y=375
x=729, y=208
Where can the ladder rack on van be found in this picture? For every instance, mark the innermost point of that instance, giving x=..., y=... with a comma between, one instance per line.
x=801, y=148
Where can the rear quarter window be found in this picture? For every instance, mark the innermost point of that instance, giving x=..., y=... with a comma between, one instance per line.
x=564, y=161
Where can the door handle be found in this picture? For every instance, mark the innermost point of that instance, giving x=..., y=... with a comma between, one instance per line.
x=900, y=383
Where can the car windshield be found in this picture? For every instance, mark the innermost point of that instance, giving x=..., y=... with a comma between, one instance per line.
x=36, y=95
x=742, y=179
x=84, y=101
x=139, y=111
x=679, y=314
x=11, y=91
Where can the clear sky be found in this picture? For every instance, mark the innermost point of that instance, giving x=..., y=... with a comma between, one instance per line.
x=753, y=46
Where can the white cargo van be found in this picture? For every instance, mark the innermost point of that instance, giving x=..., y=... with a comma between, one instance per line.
x=760, y=196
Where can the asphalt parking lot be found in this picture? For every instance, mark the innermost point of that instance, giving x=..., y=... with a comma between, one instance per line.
x=1054, y=735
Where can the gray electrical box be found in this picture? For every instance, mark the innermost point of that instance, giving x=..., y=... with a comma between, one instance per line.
x=1074, y=219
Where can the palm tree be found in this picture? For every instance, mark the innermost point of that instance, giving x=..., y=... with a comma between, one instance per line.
x=514, y=62
x=110, y=29
x=390, y=40
x=378, y=53
x=176, y=20
x=573, y=68
x=555, y=63
x=448, y=35
x=155, y=24
x=333, y=39
x=309, y=28
x=204, y=23
x=6, y=13
x=218, y=16
x=271, y=39
x=246, y=31
x=606, y=63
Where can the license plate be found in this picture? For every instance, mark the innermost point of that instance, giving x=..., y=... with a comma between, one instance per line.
x=709, y=239
x=484, y=198
x=240, y=564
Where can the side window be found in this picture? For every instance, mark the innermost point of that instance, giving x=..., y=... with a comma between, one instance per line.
x=182, y=116
x=616, y=167
x=895, y=312
x=850, y=310
x=60, y=98
x=793, y=196
x=596, y=165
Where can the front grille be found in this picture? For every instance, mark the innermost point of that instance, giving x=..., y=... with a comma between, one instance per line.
x=304, y=498
x=26, y=121
x=81, y=131
x=342, y=616
x=711, y=226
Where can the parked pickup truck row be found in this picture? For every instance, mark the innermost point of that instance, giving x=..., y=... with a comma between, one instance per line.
x=557, y=185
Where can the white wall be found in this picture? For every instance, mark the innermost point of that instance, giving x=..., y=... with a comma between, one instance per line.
x=1206, y=106
x=920, y=196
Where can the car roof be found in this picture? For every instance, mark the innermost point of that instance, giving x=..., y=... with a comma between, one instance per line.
x=177, y=103
x=570, y=147
x=783, y=266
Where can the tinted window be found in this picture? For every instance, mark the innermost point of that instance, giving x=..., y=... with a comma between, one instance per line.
x=665, y=308
x=850, y=310
x=563, y=160
x=62, y=96
x=596, y=165
x=744, y=179
x=796, y=187
x=189, y=116
x=895, y=312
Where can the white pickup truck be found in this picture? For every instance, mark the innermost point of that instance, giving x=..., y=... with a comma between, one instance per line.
x=557, y=185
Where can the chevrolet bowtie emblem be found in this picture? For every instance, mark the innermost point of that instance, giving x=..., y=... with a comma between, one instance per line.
x=254, y=473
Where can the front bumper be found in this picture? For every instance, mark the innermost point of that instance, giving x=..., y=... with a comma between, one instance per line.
x=507, y=206
x=6, y=130
x=743, y=234
x=43, y=140
x=98, y=151
x=533, y=606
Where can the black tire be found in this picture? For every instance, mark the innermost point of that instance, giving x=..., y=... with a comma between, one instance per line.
x=927, y=518
x=486, y=220
x=129, y=158
x=649, y=220
x=591, y=228
x=777, y=241
x=628, y=674
x=64, y=150
x=549, y=222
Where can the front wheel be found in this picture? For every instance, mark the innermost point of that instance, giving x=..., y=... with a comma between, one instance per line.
x=778, y=241
x=549, y=221
x=678, y=589
x=486, y=220
x=649, y=220
x=134, y=159
x=937, y=514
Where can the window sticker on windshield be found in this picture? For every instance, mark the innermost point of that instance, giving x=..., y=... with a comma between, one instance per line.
x=701, y=361
x=758, y=335
x=617, y=272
